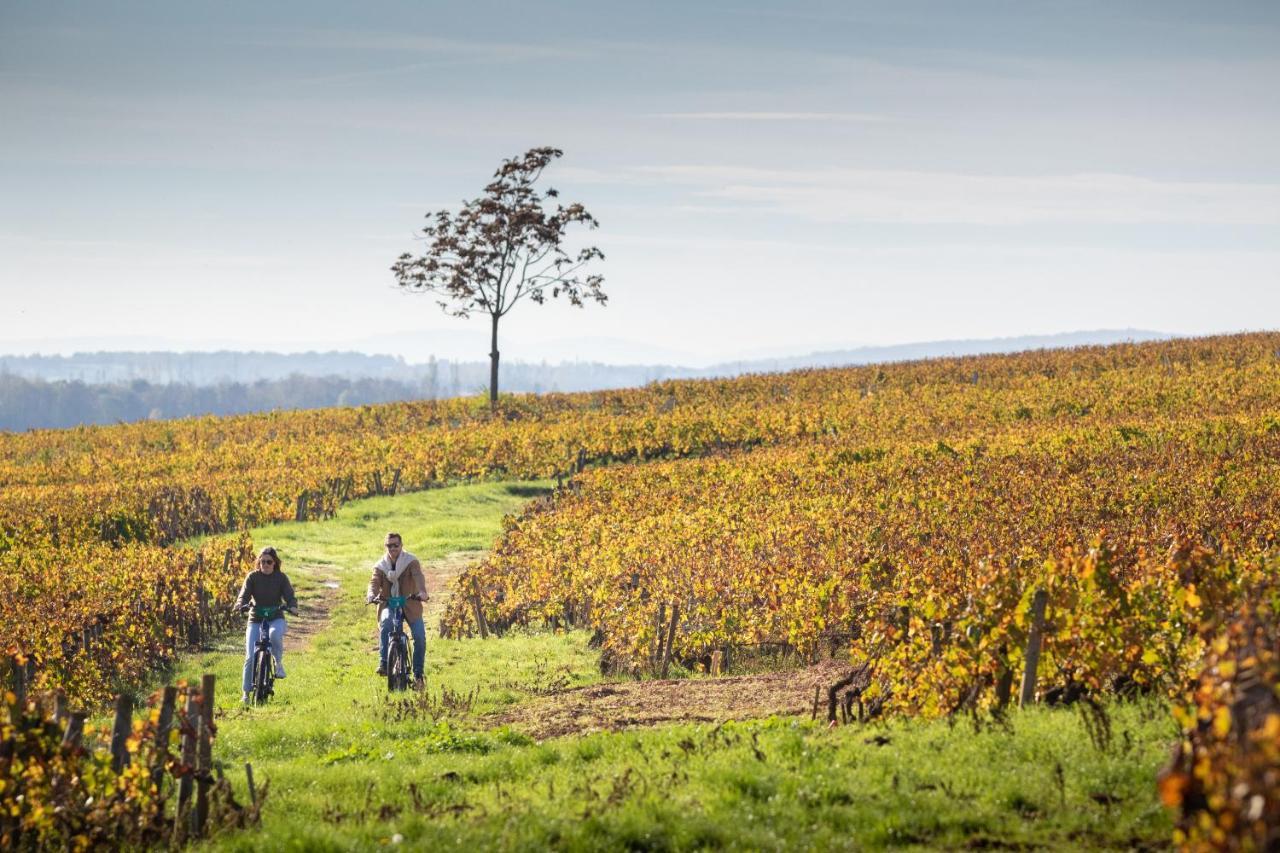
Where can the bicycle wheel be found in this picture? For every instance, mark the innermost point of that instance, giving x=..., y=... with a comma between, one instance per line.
x=263, y=677
x=398, y=664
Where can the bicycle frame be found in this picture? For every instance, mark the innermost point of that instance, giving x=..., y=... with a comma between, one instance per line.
x=263, y=686
x=397, y=663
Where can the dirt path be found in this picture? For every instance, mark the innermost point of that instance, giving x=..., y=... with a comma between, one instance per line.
x=441, y=574
x=314, y=607
x=629, y=704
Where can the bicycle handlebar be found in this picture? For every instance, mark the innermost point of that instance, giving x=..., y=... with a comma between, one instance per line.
x=248, y=607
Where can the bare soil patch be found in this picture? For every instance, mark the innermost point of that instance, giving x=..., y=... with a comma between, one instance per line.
x=629, y=704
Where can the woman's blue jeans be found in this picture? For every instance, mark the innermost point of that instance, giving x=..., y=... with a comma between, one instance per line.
x=275, y=633
x=419, y=631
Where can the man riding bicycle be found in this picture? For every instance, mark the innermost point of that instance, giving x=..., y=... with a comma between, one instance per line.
x=265, y=587
x=399, y=573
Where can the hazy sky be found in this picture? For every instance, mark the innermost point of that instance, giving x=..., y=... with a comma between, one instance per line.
x=768, y=176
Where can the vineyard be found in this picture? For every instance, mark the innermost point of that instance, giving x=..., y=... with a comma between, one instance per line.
x=922, y=520
x=921, y=557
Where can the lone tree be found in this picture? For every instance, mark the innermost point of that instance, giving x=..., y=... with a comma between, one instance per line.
x=502, y=247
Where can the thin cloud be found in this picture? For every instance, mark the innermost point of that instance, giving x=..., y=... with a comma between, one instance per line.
x=889, y=196
x=407, y=43
x=427, y=51
x=771, y=116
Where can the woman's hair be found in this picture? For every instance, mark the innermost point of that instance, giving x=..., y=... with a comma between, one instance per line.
x=269, y=552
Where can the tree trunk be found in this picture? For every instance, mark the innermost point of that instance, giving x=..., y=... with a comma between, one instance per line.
x=493, y=365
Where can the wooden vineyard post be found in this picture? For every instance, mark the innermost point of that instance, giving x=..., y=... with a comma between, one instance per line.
x=199, y=611
x=1035, y=637
x=253, y=790
x=75, y=730
x=120, y=732
x=189, y=732
x=717, y=663
x=203, y=783
x=481, y=624
x=206, y=611
x=301, y=513
x=192, y=827
x=671, y=638
x=660, y=626
x=59, y=707
x=162, y=732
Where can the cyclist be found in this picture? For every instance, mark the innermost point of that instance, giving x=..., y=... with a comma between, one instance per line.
x=400, y=573
x=265, y=586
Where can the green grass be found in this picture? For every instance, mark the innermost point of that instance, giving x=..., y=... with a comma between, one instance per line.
x=770, y=784
x=336, y=672
x=351, y=768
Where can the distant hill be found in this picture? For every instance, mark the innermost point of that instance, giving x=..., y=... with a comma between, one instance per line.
x=57, y=391
x=936, y=349
x=220, y=366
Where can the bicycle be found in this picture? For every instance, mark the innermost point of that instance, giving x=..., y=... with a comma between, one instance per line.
x=264, y=671
x=398, y=673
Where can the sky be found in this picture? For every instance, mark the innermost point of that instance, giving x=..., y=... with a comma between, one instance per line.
x=769, y=178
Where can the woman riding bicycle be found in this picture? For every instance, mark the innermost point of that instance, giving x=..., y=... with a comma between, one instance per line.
x=266, y=587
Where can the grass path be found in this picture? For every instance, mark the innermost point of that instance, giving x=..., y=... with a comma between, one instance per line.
x=349, y=767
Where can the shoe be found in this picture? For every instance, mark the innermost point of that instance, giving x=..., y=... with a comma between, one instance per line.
x=419, y=684
x=279, y=674
x=382, y=670
x=244, y=698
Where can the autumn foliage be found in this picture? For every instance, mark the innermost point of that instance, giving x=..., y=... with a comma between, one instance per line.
x=903, y=516
x=66, y=794
x=1225, y=776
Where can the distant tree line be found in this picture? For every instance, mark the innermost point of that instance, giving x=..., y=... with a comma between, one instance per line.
x=108, y=387
x=206, y=368
x=27, y=403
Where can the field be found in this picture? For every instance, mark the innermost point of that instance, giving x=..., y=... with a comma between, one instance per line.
x=903, y=542
x=349, y=768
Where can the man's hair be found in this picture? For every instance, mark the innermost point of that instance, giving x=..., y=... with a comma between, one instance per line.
x=395, y=536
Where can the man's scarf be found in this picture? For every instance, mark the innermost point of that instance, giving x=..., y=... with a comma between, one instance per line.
x=395, y=572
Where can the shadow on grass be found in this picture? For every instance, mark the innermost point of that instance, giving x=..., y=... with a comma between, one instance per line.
x=522, y=490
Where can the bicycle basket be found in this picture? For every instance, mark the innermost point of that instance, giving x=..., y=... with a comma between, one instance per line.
x=396, y=601
x=266, y=612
